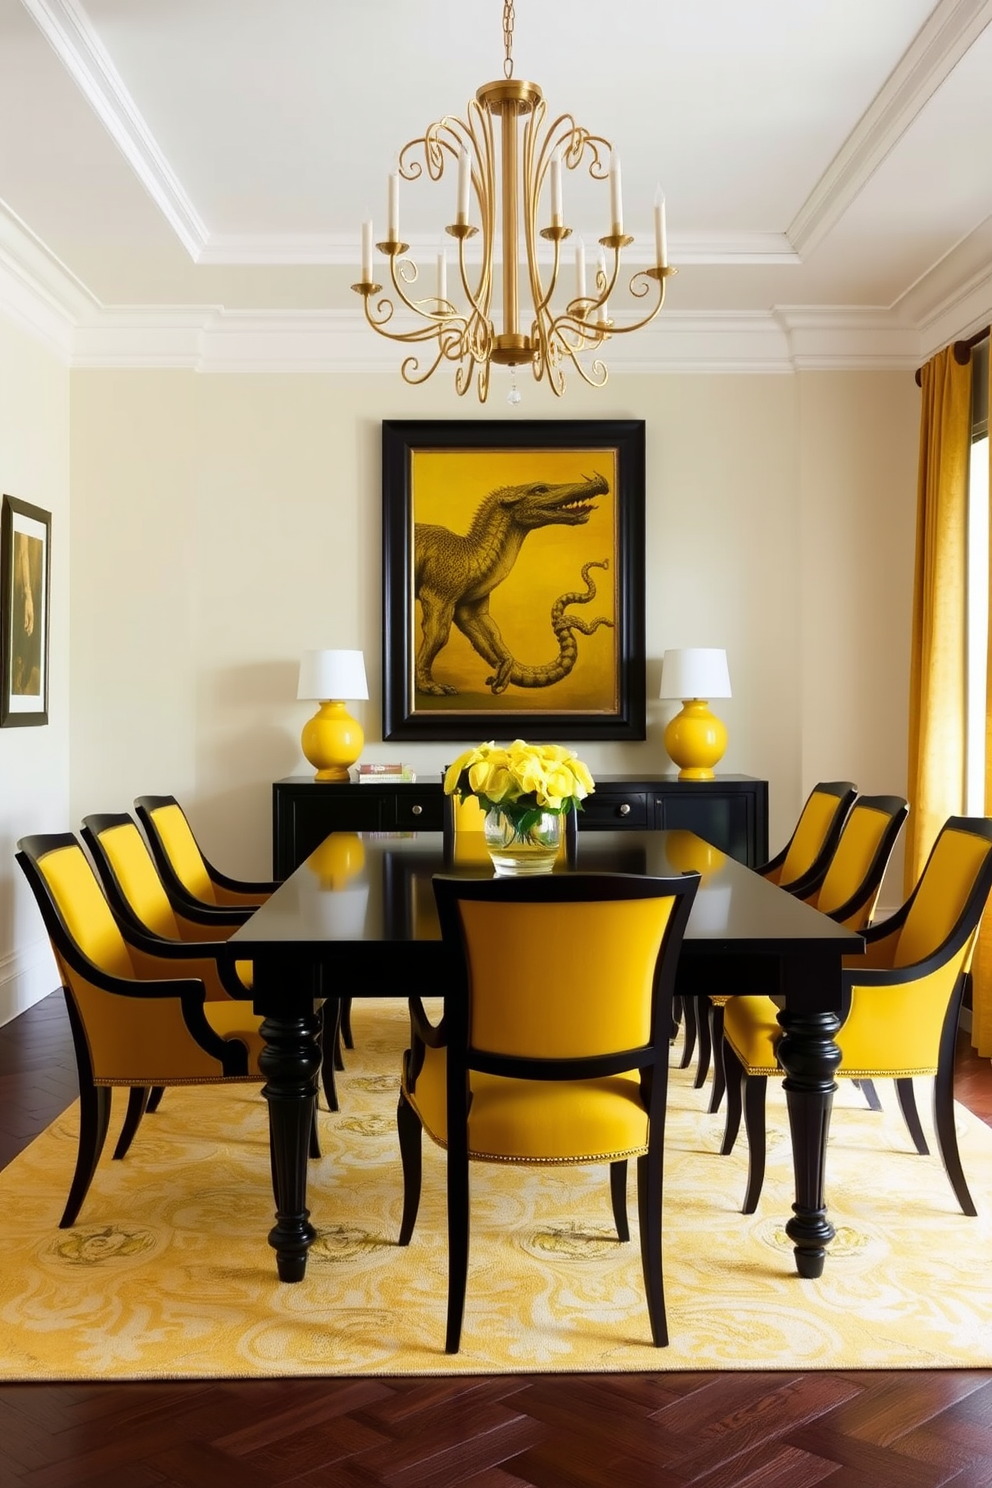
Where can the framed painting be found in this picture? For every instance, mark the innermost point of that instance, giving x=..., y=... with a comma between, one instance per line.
x=513, y=579
x=25, y=570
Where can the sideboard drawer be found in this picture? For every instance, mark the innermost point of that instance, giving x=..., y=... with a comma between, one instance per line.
x=610, y=810
x=417, y=811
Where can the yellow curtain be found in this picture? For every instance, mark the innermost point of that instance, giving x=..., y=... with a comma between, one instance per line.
x=981, y=1017
x=937, y=670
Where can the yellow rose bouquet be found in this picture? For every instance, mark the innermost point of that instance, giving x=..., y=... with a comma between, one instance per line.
x=521, y=780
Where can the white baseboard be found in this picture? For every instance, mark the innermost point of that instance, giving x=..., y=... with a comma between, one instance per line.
x=25, y=978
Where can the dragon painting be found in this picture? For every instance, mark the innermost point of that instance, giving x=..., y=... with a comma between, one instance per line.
x=455, y=576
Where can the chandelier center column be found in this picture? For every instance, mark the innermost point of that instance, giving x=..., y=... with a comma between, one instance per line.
x=508, y=99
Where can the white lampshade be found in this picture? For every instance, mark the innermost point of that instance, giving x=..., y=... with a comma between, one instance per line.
x=333, y=674
x=695, y=672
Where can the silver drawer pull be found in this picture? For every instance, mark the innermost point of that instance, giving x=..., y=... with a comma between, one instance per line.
x=417, y=810
x=625, y=809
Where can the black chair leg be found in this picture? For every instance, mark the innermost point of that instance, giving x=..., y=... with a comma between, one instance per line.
x=703, y=1028
x=346, y=1034
x=330, y=1017
x=947, y=1137
x=755, y=1088
x=458, y=1222
x=906, y=1096
x=618, y=1196
x=314, y=1151
x=735, y=1075
x=719, y=1070
x=649, y=1175
x=411, y=1138
x=94, y=1118
x=688, y=1031
x=137, y=1104
x=867, y=1088
x=154, y=1098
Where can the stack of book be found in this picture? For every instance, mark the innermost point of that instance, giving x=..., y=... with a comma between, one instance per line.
x=385, y=774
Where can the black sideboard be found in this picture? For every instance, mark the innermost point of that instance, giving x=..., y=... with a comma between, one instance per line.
x=731, y=811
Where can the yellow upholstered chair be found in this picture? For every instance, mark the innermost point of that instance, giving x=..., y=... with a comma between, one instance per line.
x=901, y=1003
x=134, y=1022
x=554, y=1050
x=799, y=867
x=139, y=899
x=183, y=867
x=197, y=932
x=848, y=893
x=803, y=860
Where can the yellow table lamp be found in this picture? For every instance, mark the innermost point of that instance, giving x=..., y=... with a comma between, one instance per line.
x=332, y=740
x=695, y=739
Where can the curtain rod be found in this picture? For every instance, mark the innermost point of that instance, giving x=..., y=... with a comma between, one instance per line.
x=962, y=351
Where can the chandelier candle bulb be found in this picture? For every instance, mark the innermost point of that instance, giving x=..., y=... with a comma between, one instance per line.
x=660, y=234
x=616, y=204
x=463, y=182
x=556, y=212
x=393, y=227
x=366, y=253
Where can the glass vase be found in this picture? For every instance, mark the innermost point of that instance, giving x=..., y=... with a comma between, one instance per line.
x=518, y=849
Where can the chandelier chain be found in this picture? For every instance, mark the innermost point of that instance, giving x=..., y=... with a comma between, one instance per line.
x=508, y=38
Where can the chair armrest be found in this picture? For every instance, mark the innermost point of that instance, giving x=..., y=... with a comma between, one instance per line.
x=434, y=1035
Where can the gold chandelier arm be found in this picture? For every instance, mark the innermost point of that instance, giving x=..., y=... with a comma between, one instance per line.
x=636, y=325
x=384, y=312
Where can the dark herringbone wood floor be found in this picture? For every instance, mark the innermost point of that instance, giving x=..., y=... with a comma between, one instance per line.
x=853, y=1430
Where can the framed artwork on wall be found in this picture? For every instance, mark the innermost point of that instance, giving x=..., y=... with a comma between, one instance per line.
x=25, y=584
x=513, y=579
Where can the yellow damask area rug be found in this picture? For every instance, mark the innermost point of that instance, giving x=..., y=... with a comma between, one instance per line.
x=167, y=1273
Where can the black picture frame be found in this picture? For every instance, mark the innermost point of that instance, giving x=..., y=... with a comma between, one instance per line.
x=25, y=610
x=435, y=469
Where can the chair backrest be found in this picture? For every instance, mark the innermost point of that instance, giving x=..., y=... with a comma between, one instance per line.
x=120, y=1035
x=907, y=1026
x=129, y=875
x=174, y=847
x=811, y=845
x=571, y=972
x=946, y=906
x=72, y=903
x=850, y=888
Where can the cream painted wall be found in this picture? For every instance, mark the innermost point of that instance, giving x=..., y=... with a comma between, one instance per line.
x=34, y=761
x=858, y=521
x=221, y=524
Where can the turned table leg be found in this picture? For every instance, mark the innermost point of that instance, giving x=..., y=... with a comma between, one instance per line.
x=809, y=1055
x=290, y=1062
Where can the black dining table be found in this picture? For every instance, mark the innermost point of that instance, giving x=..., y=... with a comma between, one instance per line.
x=357, y=919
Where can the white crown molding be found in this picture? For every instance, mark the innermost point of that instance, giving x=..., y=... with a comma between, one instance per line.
x=66, y=27
x=950, y=30
x=966, y=310
x=848, y=338
x=212, y=340
x=37, y=292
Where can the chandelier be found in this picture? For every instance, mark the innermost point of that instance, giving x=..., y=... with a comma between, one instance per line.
x=515, y=184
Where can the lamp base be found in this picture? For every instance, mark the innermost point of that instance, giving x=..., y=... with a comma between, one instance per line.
x=332, y=740
x=696, y=740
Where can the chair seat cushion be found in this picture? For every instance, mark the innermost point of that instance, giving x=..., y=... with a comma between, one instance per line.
x=599, y=1120
x=752, y=1029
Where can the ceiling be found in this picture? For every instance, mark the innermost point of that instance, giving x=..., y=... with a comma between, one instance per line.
x=182, y=182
